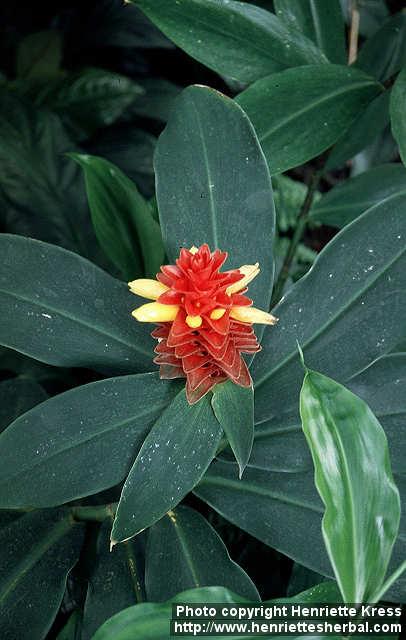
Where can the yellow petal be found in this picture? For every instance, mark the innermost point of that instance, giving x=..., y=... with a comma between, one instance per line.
x=150, y=289
x=194, y=321
x=249, y=271
x=193, y=250
x=216, y=314
x=252, y=315
x=156, y=312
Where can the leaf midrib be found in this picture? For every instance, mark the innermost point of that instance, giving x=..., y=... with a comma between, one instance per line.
x=258, y=383
x=315, y=105
x=80, y=321
x=37, y=552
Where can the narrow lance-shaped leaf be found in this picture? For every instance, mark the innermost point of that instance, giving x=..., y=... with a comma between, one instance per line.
x=397, y=113
x=233, y=38
x=61, y=309
x=298, y=113
x=354, y=479
x=234, y=409
x=177, y=553
x=172, y=460
x=339, y=303
x=84, y=440
x=37, y=551
x=210, y=169
x=122, y=218
x=384, y=53
x=321, y=21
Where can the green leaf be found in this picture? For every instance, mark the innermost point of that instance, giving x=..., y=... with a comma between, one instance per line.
x=339, y=303
x=115, y=583
x=101, y=426
x=364, y=131
x=42, y=195
x=210, y=169
x=237, y=40
x=172, y=460
x=385, y=52
x=383, y=387
x=36, y=550
x=17, y=395
x=72, y=629
x=289, y=196
x=39, y=55
x=351, y=198
x=354, y=479
x=89, y=99
x=397, y=112
x=320, y=21
x=121, y=218
x=234, y=409
x=178, y=549
x=61, y=309
x=152, y=621
x=298, y=113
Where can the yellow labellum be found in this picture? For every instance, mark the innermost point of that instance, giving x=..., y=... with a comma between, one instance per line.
x=216, y=314
x=252, y=315
x=150, y=289
x=193, y=250
x=156, y=312
x=249, y=271
x=194, y=321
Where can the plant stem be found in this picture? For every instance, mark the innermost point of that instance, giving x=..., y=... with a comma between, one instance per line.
x=354, y=30
x=297, y=235
x=97, y=513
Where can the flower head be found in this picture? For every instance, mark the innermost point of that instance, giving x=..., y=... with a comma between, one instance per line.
x=205, y=320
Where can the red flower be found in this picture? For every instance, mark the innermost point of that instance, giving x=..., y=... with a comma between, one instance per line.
x=205, y=320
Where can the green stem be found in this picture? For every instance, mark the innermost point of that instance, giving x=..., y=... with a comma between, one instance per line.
x=97, y=513
x=297, y=236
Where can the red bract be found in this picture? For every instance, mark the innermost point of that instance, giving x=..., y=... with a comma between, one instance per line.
x=205, y=320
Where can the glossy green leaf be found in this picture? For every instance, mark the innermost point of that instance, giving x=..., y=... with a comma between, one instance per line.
x=280, y=491
x=210, y=169
x=385, y=52
x=115, y=583
x=279, y=442
x=101, y=426
x=349, y=199
x=89, y=99
x=61, y=309
x=234, y=409
x=321, y=21
x=17, y=395
x=184, y=551
x=339, y=303
x=152, y=621
x=364, y=131
x=39, y=55
x=235, y=39
x=122, y=219
x=298, y=113
x=37, y=551
x=172, y=460
x=397, y=112
x=42, y=195
x=354, y=479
